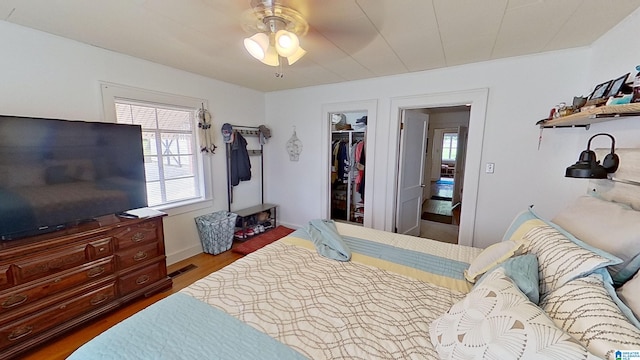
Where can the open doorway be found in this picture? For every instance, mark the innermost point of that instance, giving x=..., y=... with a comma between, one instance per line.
x=435, y=159
x=447, y=138
x=477, y=100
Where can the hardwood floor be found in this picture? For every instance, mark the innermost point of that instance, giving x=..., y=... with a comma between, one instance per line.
x=444, y=224
x=62, y=347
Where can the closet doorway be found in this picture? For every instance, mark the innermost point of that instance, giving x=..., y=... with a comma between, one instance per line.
x=348, y=166
x=352, y=111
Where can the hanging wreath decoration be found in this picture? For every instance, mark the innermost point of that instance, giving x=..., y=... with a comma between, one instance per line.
x=206, y=137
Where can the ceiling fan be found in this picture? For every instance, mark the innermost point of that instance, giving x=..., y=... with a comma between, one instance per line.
x=277, y=28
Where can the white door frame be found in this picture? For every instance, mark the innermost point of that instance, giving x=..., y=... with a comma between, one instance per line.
x=477, y=98
x=370, y=107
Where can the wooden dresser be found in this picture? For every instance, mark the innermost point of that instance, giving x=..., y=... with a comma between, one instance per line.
x=51, y=283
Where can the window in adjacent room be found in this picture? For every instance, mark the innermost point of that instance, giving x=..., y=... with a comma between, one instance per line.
x=449, y=146
x=169, y=137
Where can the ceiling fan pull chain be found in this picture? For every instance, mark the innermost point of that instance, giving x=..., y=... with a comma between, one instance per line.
x=280, y=73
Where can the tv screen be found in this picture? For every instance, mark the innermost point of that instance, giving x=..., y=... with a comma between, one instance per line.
x=58, y=173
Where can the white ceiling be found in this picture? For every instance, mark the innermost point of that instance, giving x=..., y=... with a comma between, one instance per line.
x=347, y=40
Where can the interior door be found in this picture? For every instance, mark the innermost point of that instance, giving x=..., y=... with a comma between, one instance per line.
x=461, y=155
x=436, y=153
x=413, y=142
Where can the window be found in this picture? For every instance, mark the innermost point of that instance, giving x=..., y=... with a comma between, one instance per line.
x=449, y=146
x=169, y=137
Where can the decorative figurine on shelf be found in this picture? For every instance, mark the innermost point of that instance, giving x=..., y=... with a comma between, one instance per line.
x=579, y=101
x=294, y=146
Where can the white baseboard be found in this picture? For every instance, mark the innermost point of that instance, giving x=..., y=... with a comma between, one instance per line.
x=291, y=226
x=183, y=254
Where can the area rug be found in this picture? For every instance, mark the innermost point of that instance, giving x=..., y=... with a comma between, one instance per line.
x=444, y=219
x=443, y=181
x=262, y=240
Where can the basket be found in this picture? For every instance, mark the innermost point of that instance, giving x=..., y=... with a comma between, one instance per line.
x=216, y=231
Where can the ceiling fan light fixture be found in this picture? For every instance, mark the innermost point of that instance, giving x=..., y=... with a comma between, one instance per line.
x=271, y=57
x=287, y=43
x=296, y=56
x=277, y=29
x=257, y=45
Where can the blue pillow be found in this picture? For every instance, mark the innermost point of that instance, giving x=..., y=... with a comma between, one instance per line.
x=523, y=270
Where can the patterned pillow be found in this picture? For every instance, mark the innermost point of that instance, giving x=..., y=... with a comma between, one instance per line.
x=496, y=321
x=560, y=259
x=584, y=308
x=492, y=256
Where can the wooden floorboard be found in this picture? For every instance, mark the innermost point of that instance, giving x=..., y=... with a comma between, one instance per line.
x=62, y=347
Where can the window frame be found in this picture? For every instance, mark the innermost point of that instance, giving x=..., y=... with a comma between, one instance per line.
x=111, y=93
x=450, y=148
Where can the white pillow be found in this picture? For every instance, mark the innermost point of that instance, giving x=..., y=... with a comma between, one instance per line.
x=629, y=293
x=492, y=256
x=584, y=309
x=496, y=321
x=612, y=227
x=561, y=259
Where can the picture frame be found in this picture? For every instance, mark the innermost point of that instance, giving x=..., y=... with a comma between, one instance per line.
x=617, y=84
x=600, y=90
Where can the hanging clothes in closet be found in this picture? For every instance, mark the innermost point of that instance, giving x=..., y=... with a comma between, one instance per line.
x=347, y=176
x=359, y=167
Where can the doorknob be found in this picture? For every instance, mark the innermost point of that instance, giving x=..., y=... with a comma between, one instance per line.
x=422, y=185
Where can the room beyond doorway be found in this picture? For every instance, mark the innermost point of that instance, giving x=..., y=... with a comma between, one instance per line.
x=444, y=174
x=440, y=220
x=439, y=206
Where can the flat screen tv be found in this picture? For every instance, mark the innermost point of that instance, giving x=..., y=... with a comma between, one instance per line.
x=58, y=173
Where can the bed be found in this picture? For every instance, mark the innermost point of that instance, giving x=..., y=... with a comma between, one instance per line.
x=540, y=293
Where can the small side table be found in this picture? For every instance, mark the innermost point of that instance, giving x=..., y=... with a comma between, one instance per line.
x=246, y=215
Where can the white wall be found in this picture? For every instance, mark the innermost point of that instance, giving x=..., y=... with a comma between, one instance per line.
x=521, y=91
x=49, y=76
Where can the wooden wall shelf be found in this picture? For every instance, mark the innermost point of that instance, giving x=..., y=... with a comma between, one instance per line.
x=595, y=115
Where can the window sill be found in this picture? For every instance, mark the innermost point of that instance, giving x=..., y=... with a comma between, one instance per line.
x=184, y=206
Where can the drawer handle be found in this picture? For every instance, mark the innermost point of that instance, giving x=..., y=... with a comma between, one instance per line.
x=14, y=300
x=140, y=255
x=20, y=332
x=100, y=298
x=142, y=279
x=96, y=271
x=137, y=237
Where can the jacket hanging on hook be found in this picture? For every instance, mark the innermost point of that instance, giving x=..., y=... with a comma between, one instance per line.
x=240, y=163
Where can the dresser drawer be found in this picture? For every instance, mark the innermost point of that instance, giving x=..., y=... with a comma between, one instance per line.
x=5, y=277
x=23, y=329
x=23, y=297
x=100, y=248
x=39, y=266
x=142, y=278
x=137, y=255
x=136, y=234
